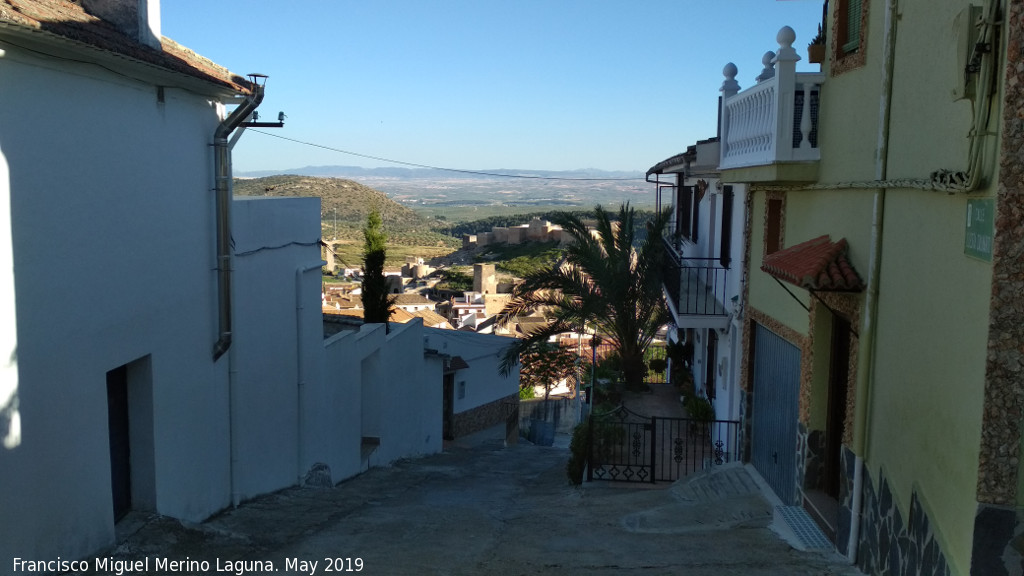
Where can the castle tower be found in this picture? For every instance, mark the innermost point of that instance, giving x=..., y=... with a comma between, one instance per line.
x=484, y=279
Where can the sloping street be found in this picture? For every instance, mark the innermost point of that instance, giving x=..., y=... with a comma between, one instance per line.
x=482, y=508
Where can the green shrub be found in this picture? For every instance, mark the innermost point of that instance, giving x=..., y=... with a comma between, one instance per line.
x=699, y=408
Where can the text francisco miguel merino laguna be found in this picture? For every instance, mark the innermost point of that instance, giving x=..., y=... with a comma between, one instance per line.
x=120, y=567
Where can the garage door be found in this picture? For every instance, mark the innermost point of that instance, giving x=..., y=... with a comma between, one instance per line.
x=774, y=411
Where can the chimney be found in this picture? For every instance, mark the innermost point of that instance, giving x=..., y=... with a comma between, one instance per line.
x=138, y=19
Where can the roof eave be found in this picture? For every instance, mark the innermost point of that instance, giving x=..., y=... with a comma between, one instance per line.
x=55, y=45
x=673, y=165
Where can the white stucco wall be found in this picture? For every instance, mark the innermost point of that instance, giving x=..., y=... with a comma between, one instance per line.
x=276, y=239
x=402, y=396
x=725, y=363
x=484, y=382
x=343, y=376
x=381, y=386
x=112, y=234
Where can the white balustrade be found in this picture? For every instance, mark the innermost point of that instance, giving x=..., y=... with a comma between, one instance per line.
x=759, y=124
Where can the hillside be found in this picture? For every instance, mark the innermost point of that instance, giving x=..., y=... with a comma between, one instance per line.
x=346, y=204
x=468, y=196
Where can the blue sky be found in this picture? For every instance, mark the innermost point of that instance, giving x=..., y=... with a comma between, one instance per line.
x=526, y=84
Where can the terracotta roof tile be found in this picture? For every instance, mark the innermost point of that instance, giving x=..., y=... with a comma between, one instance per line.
x=431, y=318
x=817, y=264
x=400, y=316
x=410, y=298
x=331, y=311
x=69, y=20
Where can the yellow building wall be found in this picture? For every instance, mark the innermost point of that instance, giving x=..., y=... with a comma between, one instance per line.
x=765, y=294
x=929, y=125
x=808, y=214
x=926, y=393
x=924, y=419
x=926, y=398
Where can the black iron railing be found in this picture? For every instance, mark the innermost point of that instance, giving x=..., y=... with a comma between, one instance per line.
x=696, y=286
x=628, y=447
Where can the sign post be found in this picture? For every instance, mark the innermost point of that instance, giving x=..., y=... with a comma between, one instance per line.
x=980, y=228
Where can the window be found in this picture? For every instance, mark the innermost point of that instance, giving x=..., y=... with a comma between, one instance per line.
x=684, y=209
x=687, y=211
x=849, y=19
x=849, y=30
x=774, y=223
x=726, y=234
x=698, y=194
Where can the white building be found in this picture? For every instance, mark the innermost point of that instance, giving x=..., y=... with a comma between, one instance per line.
x=704, y=277
x=476, y=395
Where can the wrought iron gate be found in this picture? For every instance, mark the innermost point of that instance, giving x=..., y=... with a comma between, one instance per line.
x=629, y=447
x=774, y=426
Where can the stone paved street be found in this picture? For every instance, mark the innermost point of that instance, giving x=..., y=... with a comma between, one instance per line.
x=481, y=508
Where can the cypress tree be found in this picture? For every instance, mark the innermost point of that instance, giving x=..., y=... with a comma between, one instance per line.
x=377, y=303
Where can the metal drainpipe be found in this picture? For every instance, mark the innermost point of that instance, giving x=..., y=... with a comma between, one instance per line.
x=299, y=371
x=866, y=366
x=222, y=188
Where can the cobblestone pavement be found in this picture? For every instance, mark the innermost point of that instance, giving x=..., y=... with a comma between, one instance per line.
x=481, y=508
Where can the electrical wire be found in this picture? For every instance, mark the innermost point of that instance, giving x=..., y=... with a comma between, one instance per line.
x=441, y=169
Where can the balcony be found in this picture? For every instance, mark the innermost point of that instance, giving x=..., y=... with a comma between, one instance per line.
x=695, y=289
x=773, y=124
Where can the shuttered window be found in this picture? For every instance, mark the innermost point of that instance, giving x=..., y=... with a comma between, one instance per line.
x=851, y=39
x=695, y=217
x=724, y=255
x=773, y=226
x=684, y=208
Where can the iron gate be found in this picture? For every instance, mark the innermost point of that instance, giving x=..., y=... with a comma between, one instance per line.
x=629, y=447
x=774, y=426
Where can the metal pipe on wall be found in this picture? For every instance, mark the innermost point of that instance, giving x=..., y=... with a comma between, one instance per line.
x=222, y=189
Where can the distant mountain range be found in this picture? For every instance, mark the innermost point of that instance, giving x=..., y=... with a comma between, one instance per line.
x=437, y=189
x=434, y=174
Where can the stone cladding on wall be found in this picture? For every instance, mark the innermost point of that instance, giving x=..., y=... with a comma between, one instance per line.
x=998, y=526
x=483, y=416
x=887, y=545
x=1001, y=430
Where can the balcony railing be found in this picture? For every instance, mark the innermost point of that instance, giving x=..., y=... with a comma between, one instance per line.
x=775, y=120
x=696, y=286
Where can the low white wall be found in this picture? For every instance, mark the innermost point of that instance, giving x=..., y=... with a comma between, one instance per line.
x=383, y=387
x=343, y=377
x=276, y=311
x=402, y=397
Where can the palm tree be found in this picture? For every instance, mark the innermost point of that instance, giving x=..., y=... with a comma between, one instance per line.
x=609, y=281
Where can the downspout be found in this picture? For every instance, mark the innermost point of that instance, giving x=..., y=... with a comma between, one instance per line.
x=222, y=189
x=868, y=338
x=299, y=371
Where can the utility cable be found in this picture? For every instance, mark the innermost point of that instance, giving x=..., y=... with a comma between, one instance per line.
x=429, y=167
